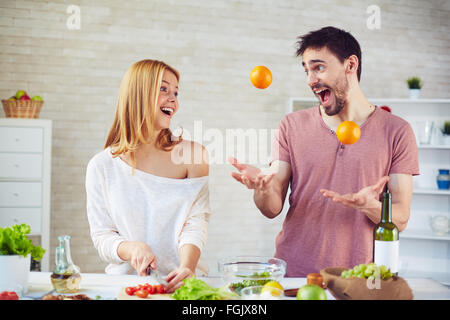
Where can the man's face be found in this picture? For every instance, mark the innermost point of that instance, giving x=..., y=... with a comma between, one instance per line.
x=326, y=78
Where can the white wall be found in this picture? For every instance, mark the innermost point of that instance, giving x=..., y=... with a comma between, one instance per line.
x=214, y=44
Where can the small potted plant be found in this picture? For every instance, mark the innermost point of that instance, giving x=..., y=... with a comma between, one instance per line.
x=414, y=85
x=15, y=251
x=446, y=132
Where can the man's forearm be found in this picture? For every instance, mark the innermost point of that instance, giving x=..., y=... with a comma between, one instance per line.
x=269, y=203
x=400, y=214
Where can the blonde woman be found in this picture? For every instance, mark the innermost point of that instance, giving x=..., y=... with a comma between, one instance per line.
x=144, y=208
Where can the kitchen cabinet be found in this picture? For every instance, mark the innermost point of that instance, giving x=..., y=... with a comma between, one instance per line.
x=422, y=252
x=25, y=177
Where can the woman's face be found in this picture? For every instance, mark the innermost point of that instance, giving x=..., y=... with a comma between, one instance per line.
x=167, y=100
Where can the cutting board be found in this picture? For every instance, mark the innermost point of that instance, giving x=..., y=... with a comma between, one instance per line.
x=157, y=296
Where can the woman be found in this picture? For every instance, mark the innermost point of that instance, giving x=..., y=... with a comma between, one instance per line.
x=144, y=208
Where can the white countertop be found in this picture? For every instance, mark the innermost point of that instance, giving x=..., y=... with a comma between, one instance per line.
x=108, y=286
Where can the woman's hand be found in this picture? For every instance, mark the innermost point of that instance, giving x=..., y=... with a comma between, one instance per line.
x=176, y=277
x=139, y=254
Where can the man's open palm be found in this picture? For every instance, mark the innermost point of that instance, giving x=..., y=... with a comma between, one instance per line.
x=361, y=199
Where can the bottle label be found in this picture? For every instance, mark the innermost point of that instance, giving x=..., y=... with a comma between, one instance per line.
x=386, y=253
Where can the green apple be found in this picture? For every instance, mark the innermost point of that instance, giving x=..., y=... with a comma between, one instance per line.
x=311, y=292
x=20, y=93
x=37, y=98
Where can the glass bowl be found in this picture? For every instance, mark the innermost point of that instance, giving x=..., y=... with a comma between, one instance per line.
x=256, y=293
x=239, y=272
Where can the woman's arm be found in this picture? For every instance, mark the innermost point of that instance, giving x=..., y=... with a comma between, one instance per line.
x=194, y=233
x=189, y=256
x=103, y=231
x=139, y=254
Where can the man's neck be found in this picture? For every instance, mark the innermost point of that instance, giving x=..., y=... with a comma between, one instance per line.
x=357, y=109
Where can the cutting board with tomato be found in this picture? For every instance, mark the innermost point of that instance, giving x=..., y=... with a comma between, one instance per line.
x=156, y=296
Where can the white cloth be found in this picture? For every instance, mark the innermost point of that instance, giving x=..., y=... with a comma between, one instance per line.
x=163, y=212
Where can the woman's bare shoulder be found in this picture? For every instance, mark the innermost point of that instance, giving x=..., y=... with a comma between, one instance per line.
x=196, y=158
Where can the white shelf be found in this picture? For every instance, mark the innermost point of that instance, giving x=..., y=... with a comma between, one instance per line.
x=431, y=191
x=423, y=235
x=435, y=146
x=410, y=101
x=380, y=100
x=416, y=276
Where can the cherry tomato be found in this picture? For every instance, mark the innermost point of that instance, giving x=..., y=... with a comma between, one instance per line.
x=151, y=289
x=9, y=295
x=130, y=290
x=159, y=288
x=142, y=293
x=147, y=286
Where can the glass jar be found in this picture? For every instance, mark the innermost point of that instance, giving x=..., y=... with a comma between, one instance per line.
x=66, y=276
x=443, y=179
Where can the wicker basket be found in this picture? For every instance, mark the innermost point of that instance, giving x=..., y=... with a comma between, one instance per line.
x=22, y=108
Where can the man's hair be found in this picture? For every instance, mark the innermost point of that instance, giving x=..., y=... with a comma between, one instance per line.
x=341, y=43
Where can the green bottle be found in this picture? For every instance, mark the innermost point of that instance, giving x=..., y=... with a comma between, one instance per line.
x=385, y=236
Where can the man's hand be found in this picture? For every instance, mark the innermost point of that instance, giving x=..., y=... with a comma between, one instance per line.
x=270, y=189
x=362, y=200
x=250, y=176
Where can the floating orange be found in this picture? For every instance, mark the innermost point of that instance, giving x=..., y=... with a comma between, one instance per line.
x=348, y=132
x=261, y=77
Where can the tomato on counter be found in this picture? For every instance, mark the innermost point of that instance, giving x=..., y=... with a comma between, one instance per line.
x=130, y=290
x=142, y=293
x=159, y=288
x=143, y=290
x=8, y=295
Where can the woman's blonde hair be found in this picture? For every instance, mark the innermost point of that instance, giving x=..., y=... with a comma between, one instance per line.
x=134, y=121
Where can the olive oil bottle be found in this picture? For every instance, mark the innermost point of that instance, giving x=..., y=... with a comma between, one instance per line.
x=66, y=276
x=386, y=239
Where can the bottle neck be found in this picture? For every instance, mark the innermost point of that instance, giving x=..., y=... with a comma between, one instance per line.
x=67, y=250
x=386, y=214
x=63, y=260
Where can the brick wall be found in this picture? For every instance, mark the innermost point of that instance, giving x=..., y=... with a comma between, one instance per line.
x=214, y=44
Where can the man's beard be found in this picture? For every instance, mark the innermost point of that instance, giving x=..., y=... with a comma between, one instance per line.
x=340, y=94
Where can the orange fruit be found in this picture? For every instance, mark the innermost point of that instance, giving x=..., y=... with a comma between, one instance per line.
x=348, y=132
x=261, y=77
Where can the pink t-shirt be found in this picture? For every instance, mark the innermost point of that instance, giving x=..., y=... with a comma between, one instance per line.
x=317, y=232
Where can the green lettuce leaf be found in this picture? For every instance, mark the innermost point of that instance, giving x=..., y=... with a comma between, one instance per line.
x=196, y=289
x=14, y=240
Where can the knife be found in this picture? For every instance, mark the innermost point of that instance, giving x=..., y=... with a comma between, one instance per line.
x=157, y=276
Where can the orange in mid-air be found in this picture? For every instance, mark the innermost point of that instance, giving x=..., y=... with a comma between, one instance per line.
x=348, y=132
x=261, y=77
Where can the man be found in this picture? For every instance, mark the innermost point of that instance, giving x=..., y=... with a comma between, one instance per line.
x=335, y=188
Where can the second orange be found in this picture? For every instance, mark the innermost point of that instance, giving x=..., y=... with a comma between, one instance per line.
x=348, y=132
x=261, y=77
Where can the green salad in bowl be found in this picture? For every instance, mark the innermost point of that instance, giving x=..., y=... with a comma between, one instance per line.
x=239, y=272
